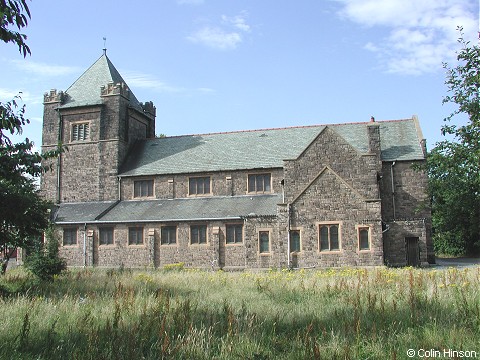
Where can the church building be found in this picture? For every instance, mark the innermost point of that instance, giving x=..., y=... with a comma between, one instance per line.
x=309, y=196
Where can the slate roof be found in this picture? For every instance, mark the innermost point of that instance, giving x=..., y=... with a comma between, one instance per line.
x=85, y=212
x=86, y=89
x=167, y=210
x=400, y=140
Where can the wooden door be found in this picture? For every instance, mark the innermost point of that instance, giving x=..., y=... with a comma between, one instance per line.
x=413, y=253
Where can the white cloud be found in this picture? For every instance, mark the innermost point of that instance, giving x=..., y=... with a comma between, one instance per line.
x=37, y=119
x=9, y=94
x=227, y=36
x=239, y=22
x=216, y=38
x=44, y=69
x=204, y=90
x=419, y=34
x=140, y=80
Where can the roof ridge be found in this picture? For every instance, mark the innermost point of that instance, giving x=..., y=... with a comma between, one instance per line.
x=86, y=89
x=83, y=73
x=280, y=128
x=256, y=196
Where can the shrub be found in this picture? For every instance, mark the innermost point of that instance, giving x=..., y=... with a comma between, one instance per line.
x=174, y=267
x=44, y=261
x=449, y=243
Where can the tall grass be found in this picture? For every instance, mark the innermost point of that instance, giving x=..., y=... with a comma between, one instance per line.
x=325, y=314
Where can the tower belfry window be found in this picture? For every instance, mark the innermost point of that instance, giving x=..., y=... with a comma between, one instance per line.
x=80, y=132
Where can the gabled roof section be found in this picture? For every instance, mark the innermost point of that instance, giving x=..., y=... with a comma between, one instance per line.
x=218, y=152
x=399, y=139
x=324, y=170
x=86, y=89
x=260, y=149
x=80, y=212
x=168, y=210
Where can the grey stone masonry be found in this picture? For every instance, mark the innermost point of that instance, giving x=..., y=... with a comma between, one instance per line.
x=315, y=196
x=332, y=184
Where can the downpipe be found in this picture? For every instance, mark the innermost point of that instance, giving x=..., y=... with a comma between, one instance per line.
x=85, y=245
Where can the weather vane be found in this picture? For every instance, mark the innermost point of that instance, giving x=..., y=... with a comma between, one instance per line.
x=105, y=45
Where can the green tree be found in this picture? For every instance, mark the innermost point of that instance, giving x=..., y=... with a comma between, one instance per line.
x=454, y=163
x=24, y=215
x=44, y=261
x=14, y=13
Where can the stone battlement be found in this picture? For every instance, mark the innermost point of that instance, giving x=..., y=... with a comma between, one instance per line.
x=53, y=96
x=115, y=89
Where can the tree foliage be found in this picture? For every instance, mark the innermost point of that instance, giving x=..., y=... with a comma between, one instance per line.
x=44, y=260
x=454, y=163
x=14, y=13
x=24, y=215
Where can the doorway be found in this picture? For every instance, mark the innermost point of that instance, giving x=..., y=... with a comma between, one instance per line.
x=413, y=253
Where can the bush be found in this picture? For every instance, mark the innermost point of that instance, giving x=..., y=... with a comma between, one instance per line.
x=174, y=267
x=44, y=261
x=448, y=243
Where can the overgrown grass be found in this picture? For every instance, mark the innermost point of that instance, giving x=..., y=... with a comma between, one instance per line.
x=325, y=314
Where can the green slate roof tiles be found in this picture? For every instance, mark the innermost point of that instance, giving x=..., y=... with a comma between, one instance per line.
x=164, y=210
x=86, y=89
x=84, y=212
x=260, y=148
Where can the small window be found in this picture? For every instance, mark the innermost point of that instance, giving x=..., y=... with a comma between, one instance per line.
x=198, y=234
x=80, y=132
x=69, y=236
x=259, y=183
x=143, y=188
x=364, y=238
x=199, y=185
x=169, y=235
x=135, y=236
x=106, y=236
x=234, y=234
x=329, y=237
x=264, y=241
x=295, y=241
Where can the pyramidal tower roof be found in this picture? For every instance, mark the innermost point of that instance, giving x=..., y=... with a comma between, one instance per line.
x=86, y=90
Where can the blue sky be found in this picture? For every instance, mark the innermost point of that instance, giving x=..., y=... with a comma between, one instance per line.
x=224, y=65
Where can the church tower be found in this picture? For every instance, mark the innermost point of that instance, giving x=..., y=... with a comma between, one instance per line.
x=97, y=119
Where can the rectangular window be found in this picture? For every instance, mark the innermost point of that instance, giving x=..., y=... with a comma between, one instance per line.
x=198, y=234
x=259, y=183
x=69, y=236
x=143, y=188
x=199, y=185
x=234, y=234
x=80, y=132
x=264, y=241
x=169, y=235
x=295, y=241
x=364, y=238
x=135, y=236
x=106, y=236
x=329, y=237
